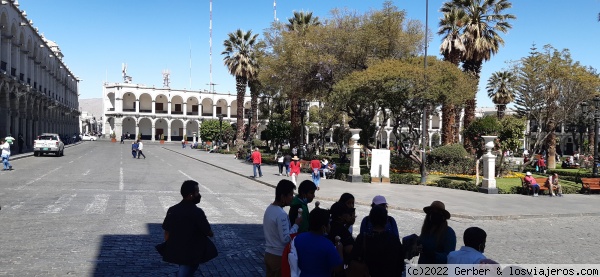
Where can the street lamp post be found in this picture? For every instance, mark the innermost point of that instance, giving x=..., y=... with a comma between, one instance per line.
x=250, y=128
x=596, y=134
x=302, y=107
x=220, y=129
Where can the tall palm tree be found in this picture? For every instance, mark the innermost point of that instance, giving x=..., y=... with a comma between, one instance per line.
x=481, y=38
x=500, y=89
x=300, y=24
x=238, y=60
x=302, y=21
x=452, y=48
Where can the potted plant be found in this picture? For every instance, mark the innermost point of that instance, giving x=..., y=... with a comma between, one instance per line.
x=162, y=139
x=113, y=137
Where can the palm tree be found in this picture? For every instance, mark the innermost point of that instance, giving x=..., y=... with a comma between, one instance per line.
x=300, y=24
x=485, y=20
x=302, y=21
x=500, y=89
x=238, y=60
x=452, y=48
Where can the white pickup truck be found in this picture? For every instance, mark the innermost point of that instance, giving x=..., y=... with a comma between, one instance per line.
x=48, y=143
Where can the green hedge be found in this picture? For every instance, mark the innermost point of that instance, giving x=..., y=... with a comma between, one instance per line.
x=404, y=178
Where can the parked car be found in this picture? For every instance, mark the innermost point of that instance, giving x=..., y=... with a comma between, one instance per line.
x=89, y=137
x=48, y=143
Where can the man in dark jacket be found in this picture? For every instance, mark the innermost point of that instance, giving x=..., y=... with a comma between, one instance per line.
x=306, y=194
x=186, y=231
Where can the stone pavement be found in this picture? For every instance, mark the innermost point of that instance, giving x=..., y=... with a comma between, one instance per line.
x=461, y=204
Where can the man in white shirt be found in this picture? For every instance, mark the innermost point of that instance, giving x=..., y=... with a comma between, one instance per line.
x=5, y=154
x=140, y=148
x=472, y=253
x=276, y=227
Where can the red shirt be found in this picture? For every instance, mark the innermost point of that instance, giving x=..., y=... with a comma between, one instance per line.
x=295, y=167
x=315, y=164
x=256, y=157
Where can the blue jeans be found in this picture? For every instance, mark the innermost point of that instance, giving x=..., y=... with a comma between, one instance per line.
x=254, y=167
x=5, y=162
x=316, y=176
x=535, y=188
x=287, y=168
x=187, y=270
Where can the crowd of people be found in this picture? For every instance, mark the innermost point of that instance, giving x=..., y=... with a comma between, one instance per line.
x=320, y=242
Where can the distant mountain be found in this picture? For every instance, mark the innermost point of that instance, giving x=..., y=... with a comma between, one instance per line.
x=92, y=106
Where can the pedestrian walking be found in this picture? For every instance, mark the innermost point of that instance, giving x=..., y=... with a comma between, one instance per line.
x=315, y=166
x=134, y=148
x=140, y=148
x=187, y=232
x=21, y=142
x=5, y=145
x=280, y=163
x=276, y=227
x=122, y=139
x=306, y=194
x=287, y=159
x=295, y=169
x=437, y=239
x=183, y=143
x=256, y=162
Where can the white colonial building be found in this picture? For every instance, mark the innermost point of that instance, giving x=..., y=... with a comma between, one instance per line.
x=150, y=112
x=38, y=92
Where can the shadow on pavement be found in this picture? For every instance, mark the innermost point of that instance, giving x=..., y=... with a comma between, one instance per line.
x=240, y=246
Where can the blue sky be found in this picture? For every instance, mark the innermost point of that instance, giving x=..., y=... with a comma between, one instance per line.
x=97, y=36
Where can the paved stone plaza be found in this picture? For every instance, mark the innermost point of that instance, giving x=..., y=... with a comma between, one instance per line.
x=97, y=212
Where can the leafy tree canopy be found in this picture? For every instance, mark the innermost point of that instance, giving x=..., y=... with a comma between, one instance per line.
x=210, y=130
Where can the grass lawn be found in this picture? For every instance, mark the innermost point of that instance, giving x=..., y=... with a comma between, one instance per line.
x=502, y=183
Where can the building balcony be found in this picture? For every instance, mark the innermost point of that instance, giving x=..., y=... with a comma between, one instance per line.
x=192, y=113
x=145, y=111
x=162, y=112
x=176, y=112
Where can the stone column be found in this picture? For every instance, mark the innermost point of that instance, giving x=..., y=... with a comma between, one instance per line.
x=169, y=130
x=228, y=111
x=489, y=167
x=137, y=130
x=214, y=111
x=153, y=131
x=354, y=173
x=153, y=107
x=169, y=110
x=137, y=106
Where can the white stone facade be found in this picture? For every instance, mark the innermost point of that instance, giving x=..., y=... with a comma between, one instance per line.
x=149, y=111
x=38, y=92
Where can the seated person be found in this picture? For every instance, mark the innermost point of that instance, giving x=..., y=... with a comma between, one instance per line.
x=531, y=183
x=331, y=170
x=552, y=182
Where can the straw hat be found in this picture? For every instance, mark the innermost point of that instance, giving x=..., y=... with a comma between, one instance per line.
x=295, y=158
x=437, y=206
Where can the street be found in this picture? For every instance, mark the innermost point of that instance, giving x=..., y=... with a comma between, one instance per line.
x=98, y=212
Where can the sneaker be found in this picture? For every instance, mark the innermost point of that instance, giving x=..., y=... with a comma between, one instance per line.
x=10, y=167
x=560, y=195
x=535, y=195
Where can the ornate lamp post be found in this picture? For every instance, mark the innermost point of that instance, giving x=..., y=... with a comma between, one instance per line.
x=220, y=129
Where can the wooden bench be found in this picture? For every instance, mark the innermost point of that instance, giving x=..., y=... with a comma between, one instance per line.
x=589, y=184
x=541, y=181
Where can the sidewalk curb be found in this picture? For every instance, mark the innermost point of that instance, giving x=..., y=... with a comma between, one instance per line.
x=416, y=210
x=30, y=154
x=222, y=168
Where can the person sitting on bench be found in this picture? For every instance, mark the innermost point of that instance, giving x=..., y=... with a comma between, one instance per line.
x=552, y=182
x=532, y=183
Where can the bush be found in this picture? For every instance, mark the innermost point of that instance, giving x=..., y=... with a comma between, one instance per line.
x=448, y=153
x=366, y=178
x=461, y=166
x=461, y=185
x=404, y=178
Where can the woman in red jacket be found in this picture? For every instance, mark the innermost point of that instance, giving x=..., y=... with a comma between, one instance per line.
x=295, y=168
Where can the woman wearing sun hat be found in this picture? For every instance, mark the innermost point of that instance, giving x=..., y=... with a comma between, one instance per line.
x=295, y=168
x=437, y=239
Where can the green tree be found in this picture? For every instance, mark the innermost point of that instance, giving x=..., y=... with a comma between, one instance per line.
x=278, y=130
x=210, y=130
x=500, y=89
x=484, y=126
x=550, y=88
x=486, y=19
x=510, y=137
x=240, y=63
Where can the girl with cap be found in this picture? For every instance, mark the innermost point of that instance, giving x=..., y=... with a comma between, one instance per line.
x=366, y=226
x=437, y=239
